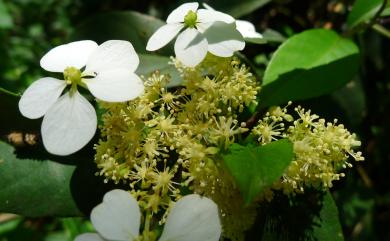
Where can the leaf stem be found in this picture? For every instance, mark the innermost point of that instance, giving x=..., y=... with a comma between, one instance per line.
x=382, y=30
x=147, y=226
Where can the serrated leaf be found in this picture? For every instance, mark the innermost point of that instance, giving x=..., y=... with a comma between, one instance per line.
x=257, y=167
x=309, y=64
x=150, y=63
x=43, y=187
x=34, y=187
x=363, y=11
x=328, y=228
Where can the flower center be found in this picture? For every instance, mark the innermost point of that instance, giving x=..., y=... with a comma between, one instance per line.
x=190, y=19
x=72, y=77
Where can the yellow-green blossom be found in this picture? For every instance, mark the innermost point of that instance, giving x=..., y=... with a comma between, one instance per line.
x=322, y=149
x=167, y=141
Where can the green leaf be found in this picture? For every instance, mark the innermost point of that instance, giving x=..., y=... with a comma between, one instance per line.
x=9, y=225
x=48, y=185
x=6, y=21
x=271, y=35
x=309, y=64
x=150, y=63
x=386, y=11
x=317, y=212
x=257, y=167
x=363, y=11
x=34, y=187
x=127, y=25
x=238, y=8
x=328, y=228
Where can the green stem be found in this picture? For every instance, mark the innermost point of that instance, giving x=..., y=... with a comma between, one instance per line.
x=371, y=24
x=378, y=14
x=382, y=30
x=147, y=226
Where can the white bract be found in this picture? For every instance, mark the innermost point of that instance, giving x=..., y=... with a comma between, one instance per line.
x=246, y=28
x=118, y=217
x=204, y=30
x=70, y=121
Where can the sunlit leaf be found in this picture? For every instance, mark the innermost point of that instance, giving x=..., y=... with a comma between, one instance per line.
x=257, y=167
x=309, y=64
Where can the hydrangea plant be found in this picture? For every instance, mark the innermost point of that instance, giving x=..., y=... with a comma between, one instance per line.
x=199, y=151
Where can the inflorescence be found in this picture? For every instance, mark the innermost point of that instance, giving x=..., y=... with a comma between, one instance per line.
x=168, y=142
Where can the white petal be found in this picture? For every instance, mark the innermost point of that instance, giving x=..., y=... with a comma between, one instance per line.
x=163, y=36
x=193, y=218
x=113, y=54
x=89, y=237
x=245, y=27
x=224, y=39
x=118, y=217
x=191, y=47
x=248, y=31
x=40, y=96
x=115, y=85
x=210, y=16
x=177, y=15
x=73, y=54
x=68, y=125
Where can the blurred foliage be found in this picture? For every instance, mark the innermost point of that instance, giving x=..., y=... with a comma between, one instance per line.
x=16, y=228
x=29, y=28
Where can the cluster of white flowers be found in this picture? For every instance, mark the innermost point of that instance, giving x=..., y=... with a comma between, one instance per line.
x=118, y=218
x=70, y=121
x=205, y=30
x=107, y=71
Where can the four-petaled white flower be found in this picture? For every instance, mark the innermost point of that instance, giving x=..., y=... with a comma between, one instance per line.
x=246, y=28
x=70, y=121
x=118, y=217
x=205, y=30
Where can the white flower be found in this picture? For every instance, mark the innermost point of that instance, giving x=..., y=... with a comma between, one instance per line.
x=246, y=28
x=70, y=120
x=205, y=30
x=118, y=217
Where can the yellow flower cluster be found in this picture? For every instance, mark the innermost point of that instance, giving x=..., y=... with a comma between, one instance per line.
x=321, y=148
x=167, y=141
